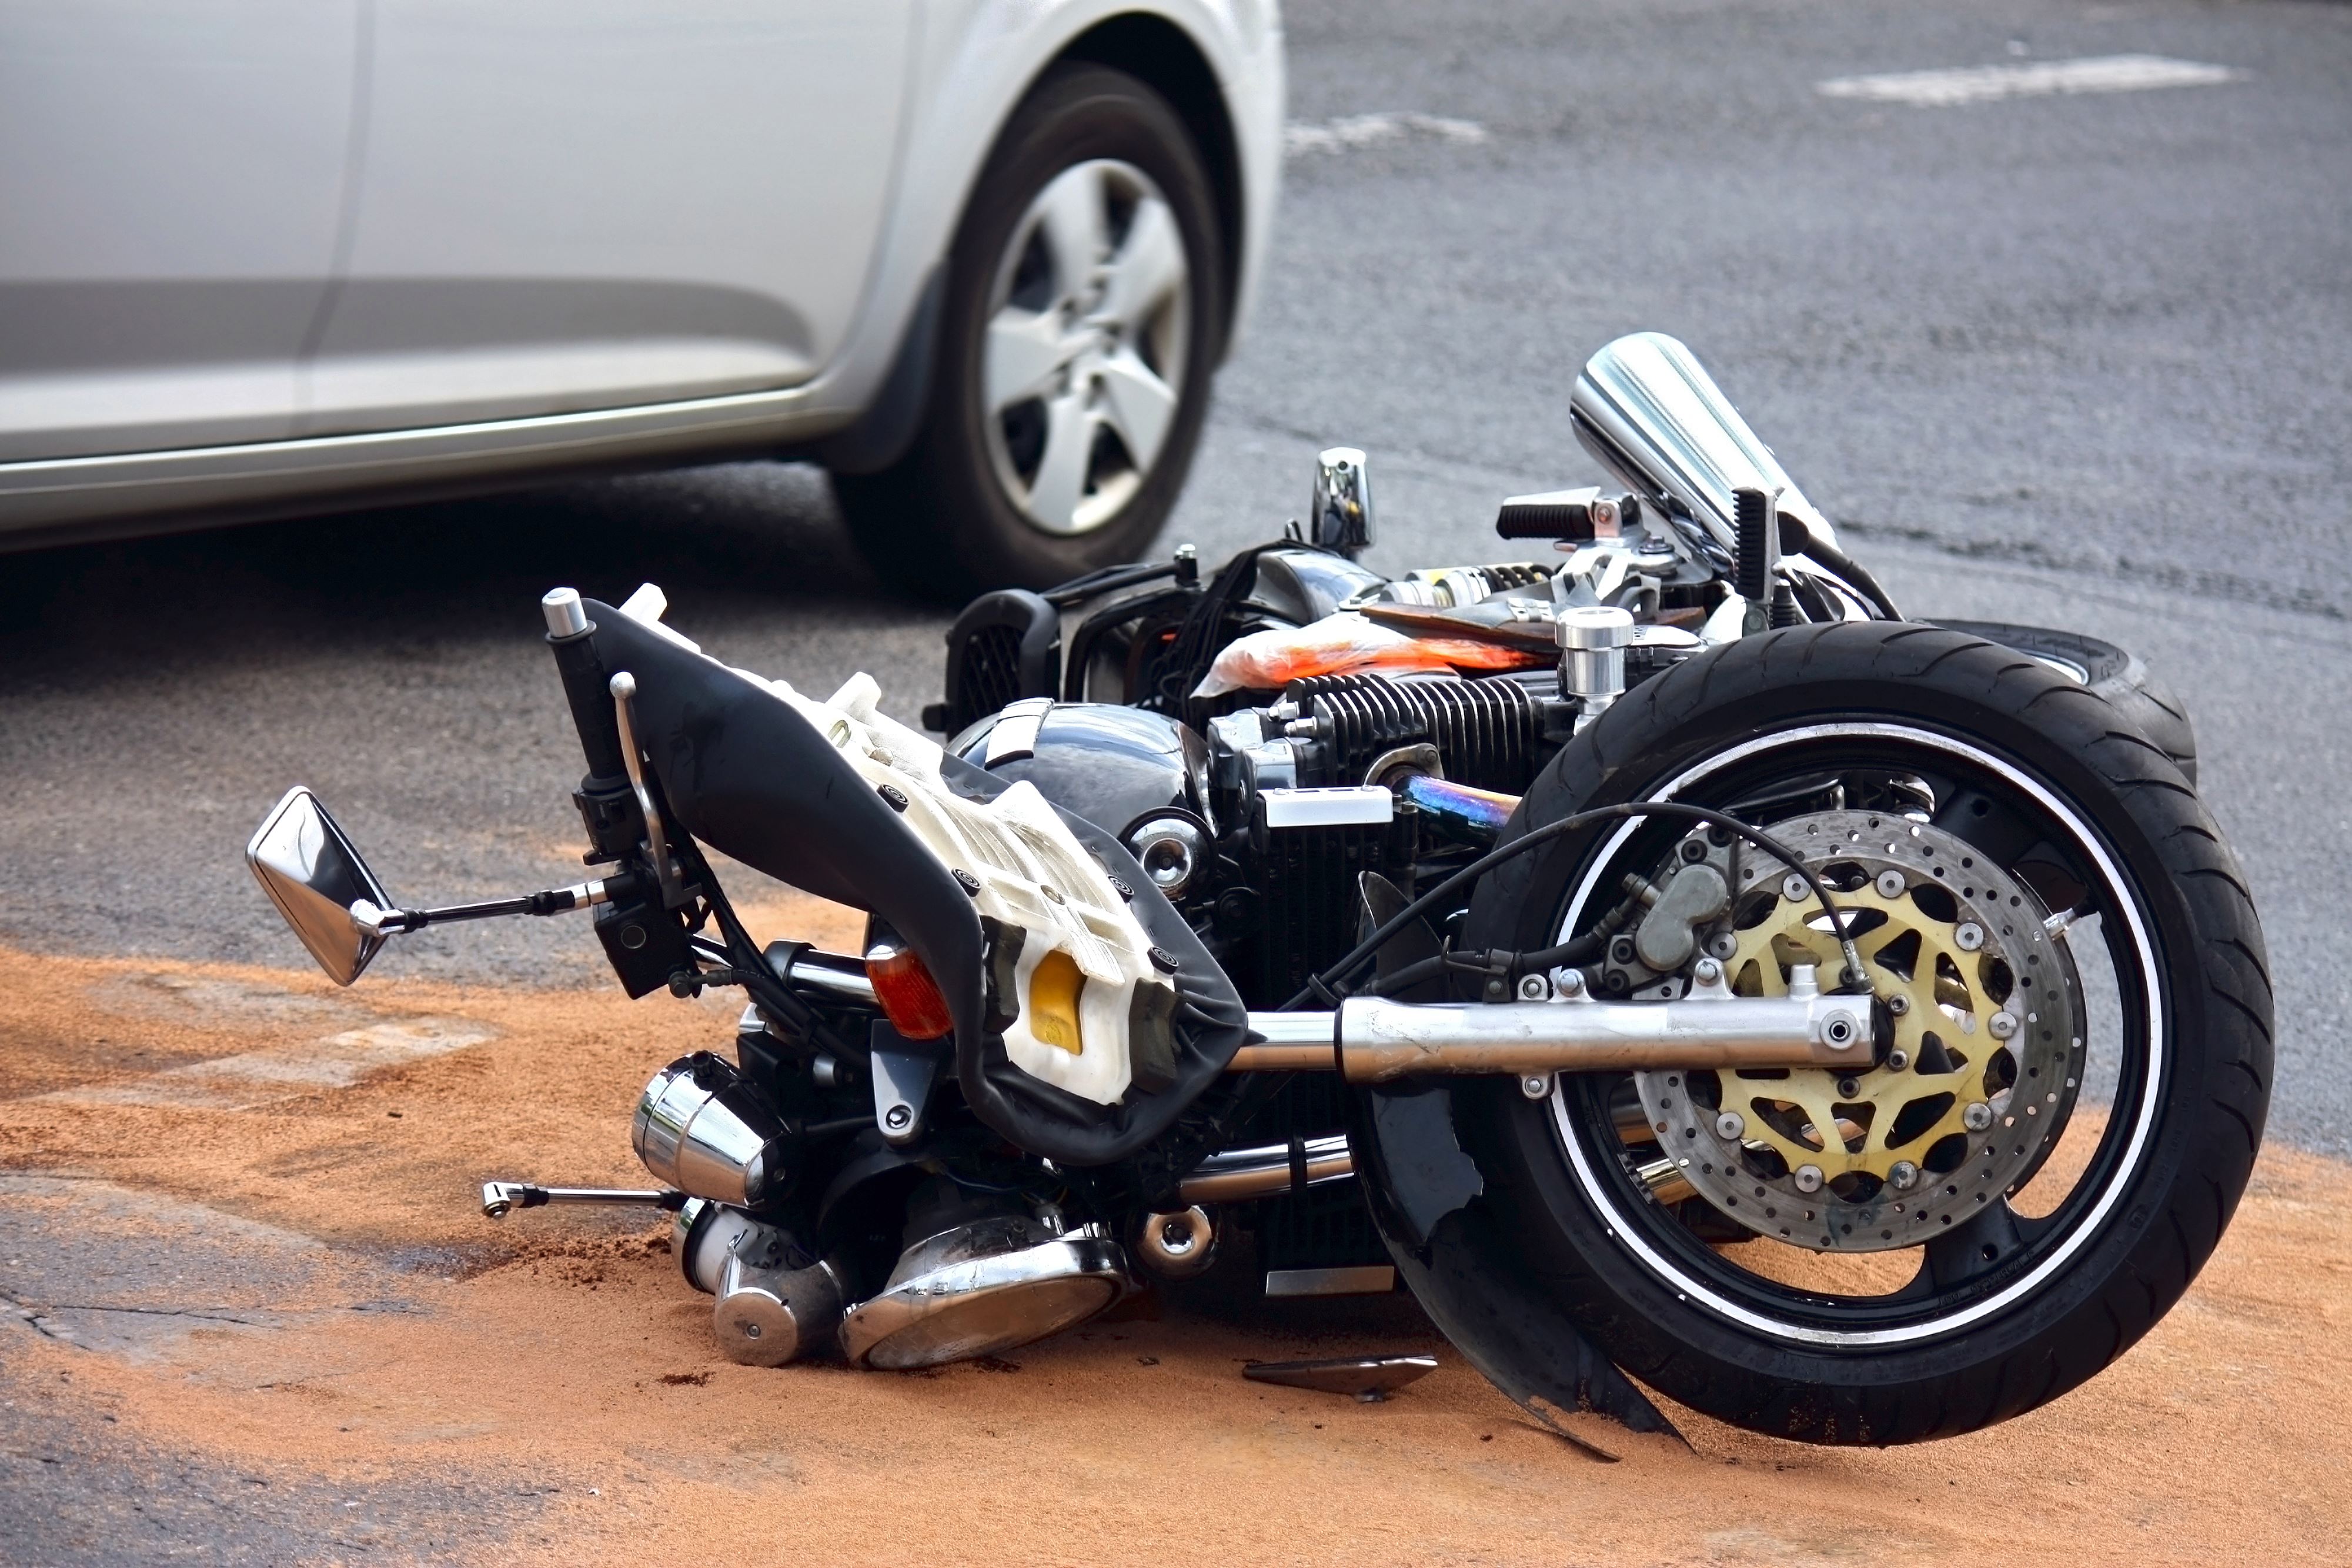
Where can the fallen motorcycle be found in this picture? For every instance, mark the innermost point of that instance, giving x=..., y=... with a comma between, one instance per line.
x=1662, y=958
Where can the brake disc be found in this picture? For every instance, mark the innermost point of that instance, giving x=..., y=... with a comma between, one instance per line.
x=1977, y=1055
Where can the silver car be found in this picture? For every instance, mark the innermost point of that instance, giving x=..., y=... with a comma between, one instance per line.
x=977, y=257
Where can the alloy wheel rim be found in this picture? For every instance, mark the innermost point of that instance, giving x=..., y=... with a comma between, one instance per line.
x=1083, y=361
x=2085, y=1213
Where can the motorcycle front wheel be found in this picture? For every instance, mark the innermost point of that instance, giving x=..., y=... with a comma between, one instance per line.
x=1974, y=1224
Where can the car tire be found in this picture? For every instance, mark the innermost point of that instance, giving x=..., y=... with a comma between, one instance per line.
x=1066, y=400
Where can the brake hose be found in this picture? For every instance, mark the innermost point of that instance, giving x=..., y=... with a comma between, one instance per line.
x=1323, y=989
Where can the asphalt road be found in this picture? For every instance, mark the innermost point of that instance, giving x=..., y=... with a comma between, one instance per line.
x=2078, y=359
x=2084, y=360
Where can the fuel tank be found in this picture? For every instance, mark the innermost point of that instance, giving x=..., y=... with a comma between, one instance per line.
x=1119, y=768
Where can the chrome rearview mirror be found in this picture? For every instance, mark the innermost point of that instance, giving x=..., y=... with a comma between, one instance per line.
x=1649, y=412
x=314, y=875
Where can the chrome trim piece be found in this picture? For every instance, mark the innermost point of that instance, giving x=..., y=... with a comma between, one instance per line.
x=45, y=492
x=1370, y=1279
x=1237, y=1175
x=977, y=1290
x=565, y=618
x=1382, y=1039
x=1379, y=1040
x=835, y=974
x=1332, y=806
x=1627, y=1231
x=1177, y=1246
x=1015, y=734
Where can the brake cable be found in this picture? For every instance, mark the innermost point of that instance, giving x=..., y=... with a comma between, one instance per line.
x=1324, y=989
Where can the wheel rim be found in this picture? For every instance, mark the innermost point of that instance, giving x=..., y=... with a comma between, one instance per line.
x=1812, y=1316
x=1083, y=364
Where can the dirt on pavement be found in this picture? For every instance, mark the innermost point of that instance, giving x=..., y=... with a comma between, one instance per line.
x=361, y=1322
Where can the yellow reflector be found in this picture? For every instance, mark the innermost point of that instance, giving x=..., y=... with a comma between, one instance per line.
x=1053, y=987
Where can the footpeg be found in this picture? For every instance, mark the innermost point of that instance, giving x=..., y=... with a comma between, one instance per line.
x=500, y=1198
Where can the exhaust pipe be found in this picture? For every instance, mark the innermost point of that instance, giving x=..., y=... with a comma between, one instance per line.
x=1237, y=1175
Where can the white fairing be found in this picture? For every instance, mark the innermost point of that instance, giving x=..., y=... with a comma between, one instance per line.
x=1034, y=875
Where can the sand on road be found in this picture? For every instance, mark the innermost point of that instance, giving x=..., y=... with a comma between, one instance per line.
x=369, y=1328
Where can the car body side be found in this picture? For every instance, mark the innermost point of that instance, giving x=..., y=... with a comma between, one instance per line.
x=969, y=64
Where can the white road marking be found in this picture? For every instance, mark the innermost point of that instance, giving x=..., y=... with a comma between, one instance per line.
x=1351, y=131
x=1982, y=84
x=255, y=1078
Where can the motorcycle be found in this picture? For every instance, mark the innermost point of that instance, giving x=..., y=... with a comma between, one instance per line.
x=1662, y=959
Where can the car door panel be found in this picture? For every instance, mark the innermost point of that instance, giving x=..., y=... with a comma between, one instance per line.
x=572, y=204
x=171, y=175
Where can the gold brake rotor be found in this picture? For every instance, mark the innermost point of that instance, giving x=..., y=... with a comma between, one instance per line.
x=1980, y=1044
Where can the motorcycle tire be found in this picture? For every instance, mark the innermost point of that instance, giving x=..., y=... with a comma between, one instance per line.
x=1980, y=1335
x=2115, y=674
x=952, y=518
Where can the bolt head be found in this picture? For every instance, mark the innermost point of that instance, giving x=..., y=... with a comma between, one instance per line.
x=1903, y=1175
x=1568, y=982
x=2002, y=1024
x=1890, y=884
x=1706, y=971
x=1848, y=1088
x=1838, y=1031
x=1898, y=1060
x=1794, y=889
x=1976, y=1117
x=1968, y=937
x=1731, y=1125
x=1898, y=1004
x=1533, y=989
x=1722, y=945
x=1535, y=1086
x=897, y=1116
x=1809, y=1178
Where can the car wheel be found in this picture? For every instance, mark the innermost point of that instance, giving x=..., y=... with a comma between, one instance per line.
x=1083, y=314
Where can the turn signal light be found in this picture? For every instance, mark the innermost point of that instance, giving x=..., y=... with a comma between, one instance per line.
x=908, y=993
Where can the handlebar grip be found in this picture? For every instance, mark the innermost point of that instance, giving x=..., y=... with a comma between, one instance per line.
x=590, y=700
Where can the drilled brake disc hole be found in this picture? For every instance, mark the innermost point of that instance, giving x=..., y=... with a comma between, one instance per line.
x=1965, y=983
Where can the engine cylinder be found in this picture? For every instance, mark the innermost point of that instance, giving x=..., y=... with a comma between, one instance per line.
x=1488, y=732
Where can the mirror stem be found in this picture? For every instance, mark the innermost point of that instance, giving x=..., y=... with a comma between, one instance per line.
x=380, y=921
